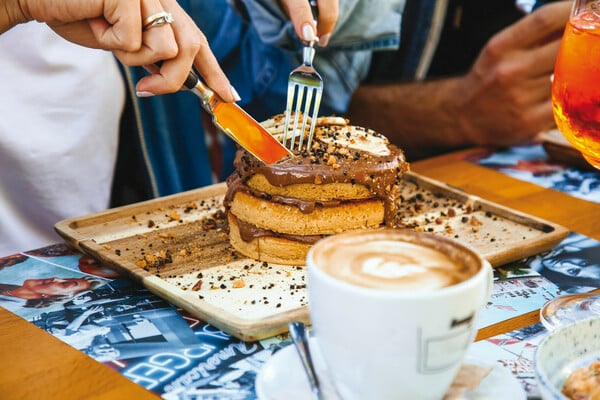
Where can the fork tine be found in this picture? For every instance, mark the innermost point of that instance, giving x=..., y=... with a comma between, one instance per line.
x=309, y=97
x=297, y=112
x=313, y=118
x=288, y=112
x=303, y=78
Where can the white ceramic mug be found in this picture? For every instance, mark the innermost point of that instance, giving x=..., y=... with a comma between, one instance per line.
x=405, y=337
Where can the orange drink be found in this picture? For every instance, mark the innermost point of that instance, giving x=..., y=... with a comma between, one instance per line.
x=576, y=84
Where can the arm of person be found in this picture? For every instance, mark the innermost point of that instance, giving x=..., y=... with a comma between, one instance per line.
x=117, y=26
x=503, y=100
x=10, y=15
x=419, y=117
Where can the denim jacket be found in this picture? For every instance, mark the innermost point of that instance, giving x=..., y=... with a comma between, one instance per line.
x=257, y=48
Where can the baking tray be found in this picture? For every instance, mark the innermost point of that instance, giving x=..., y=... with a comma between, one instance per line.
x=178, y=248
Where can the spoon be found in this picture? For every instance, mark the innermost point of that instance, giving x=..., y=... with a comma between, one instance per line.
x=299, y=335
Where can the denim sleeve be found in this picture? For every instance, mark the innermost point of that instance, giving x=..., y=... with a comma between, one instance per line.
x=362, y=25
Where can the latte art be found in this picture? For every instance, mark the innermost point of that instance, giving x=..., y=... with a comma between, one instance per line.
x=385, y=268
x=381, y=263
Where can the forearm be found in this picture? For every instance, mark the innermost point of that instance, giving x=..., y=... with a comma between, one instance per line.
x=421, y=118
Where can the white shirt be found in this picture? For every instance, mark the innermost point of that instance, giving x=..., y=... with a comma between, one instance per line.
x=60, y=107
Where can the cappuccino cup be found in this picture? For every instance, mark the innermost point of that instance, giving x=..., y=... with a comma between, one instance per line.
x=394, y=310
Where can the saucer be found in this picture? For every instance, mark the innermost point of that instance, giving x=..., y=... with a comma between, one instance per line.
x=282, y=378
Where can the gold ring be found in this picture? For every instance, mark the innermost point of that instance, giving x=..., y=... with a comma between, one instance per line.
x=158, y=19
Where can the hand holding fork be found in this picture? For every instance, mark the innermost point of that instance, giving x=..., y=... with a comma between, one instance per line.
x=305, y=88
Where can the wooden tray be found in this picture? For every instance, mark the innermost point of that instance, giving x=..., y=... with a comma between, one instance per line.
x=177, y=247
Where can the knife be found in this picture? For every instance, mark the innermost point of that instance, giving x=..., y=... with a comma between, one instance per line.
x=236, y=123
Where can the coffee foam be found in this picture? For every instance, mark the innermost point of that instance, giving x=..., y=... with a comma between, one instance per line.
x=384, y=263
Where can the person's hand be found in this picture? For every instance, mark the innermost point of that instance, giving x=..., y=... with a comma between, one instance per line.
x=117, y=26
x=192, y=48
x=506, y=97
x=301, y=15
x=110, y=24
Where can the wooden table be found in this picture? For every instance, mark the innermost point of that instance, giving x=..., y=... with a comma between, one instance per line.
x=37, y=365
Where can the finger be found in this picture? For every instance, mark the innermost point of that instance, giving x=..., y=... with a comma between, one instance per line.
x=81, y=33
x=121, y=27
x=168, y=45
x=158, y=42
x=539, y=90
x=536, y=27
x=328, y=16
x=523, y=94
x=541, y=117
x=104, y=24
x=193, y=47
x=200, y=54
x=302, y=18
x=209, y=68
x=540, y=61
x=188, y=37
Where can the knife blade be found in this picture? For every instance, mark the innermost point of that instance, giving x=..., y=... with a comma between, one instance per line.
x=236, y=123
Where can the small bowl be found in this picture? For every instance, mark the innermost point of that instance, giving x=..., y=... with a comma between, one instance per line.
x=563, y=351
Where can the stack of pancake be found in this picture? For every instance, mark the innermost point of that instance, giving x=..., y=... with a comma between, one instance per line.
x=347, y=180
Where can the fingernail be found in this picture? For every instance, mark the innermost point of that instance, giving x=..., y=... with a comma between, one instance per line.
x=144, y=94
x=308, y=33
x=235, y=94
x=324, y=39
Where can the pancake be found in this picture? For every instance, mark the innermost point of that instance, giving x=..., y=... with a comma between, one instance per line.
x=267, y=246
x=348, y=180
x=290, y=219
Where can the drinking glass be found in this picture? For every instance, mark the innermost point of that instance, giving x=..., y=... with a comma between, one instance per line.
x=576, y=82
x=576, y=108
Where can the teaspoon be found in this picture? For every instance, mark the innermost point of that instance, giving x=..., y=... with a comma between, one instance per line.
x=299, y=335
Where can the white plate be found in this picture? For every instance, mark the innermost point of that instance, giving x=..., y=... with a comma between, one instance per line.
x=282, y=378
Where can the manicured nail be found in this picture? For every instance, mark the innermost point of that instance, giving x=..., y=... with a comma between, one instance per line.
x=144, y=94
x=324, y=39
x=235, y=94
x=308, y=33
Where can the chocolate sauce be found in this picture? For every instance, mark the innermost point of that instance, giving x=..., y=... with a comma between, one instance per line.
x=249, y=231
x=329, y=161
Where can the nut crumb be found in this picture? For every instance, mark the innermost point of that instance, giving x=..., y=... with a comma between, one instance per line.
x=238, y=283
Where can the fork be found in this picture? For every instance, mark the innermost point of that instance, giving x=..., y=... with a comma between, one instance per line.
x=305, y=88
